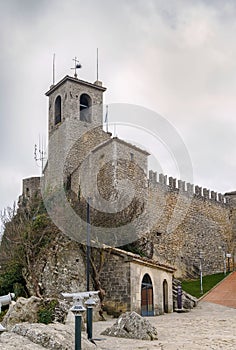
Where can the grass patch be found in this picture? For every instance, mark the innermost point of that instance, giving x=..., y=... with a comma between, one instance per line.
x=193, y=286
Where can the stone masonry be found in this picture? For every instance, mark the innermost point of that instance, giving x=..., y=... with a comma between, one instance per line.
x=179, y=220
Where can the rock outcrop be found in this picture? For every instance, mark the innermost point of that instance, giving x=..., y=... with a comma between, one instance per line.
x=132, y=325
x=26, y=336
x=28, y=310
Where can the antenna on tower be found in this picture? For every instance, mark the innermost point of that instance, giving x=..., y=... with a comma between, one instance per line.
x=106, y=118
x=39, y=153
x=53, y=69
x=97, y=64
x=77, y=66
x=115, y=134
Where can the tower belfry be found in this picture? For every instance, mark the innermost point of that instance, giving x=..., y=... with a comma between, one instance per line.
x=75, y=109
x=73, y=98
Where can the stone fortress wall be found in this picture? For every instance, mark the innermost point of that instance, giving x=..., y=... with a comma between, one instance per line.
x=206, y=227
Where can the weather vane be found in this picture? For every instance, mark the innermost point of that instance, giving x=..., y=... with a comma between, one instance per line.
x=77, y=66
x=39, y=154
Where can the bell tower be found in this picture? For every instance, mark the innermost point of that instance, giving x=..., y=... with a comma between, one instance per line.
x=75, y=99
x=75, y=119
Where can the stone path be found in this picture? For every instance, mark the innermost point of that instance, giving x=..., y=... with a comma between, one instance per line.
x=224, y=293
x=209, y=326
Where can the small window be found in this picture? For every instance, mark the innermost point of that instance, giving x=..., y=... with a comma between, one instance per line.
x=131, y=156
x=68, y=183
x=85, y=110
x=58, y=110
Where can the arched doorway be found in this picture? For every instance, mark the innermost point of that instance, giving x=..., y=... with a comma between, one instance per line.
x=147, y=308
x=165, y=296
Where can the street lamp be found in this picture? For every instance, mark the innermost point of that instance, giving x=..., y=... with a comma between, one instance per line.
x=224, y=259
x=228, y=255
x=200, y=268
x=88, y=249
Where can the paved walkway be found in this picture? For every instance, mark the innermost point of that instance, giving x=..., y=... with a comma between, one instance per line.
x=224, y=293
x=208, y=327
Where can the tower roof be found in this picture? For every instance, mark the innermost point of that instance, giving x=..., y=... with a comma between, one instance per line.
x=116, y=139
x=97, y=85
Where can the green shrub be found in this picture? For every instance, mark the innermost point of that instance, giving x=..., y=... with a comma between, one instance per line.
x=46, y=313
x=11, y=275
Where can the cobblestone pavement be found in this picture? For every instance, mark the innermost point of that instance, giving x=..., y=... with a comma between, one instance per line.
x=224, y=293
x=209, y=326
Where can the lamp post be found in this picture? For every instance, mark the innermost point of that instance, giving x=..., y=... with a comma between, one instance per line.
x=200, y=268
x=228, y=255
x=88, y=243
x=224, y=259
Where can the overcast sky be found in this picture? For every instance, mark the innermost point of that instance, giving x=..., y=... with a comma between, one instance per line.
x=177, y=58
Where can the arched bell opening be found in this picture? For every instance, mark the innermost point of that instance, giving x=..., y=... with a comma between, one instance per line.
x=57, y=110
x=85, y=110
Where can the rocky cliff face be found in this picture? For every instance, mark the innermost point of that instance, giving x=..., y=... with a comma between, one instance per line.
x=62, y=269
x=37, y=257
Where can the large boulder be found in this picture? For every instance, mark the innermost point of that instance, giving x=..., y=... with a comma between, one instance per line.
x=132, y=325
x=23, y=310
x=33, y=309
x=12, y=341
x=39, y=336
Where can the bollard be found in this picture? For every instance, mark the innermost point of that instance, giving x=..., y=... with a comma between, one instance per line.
x=77, y=310
x=179, y=298
x=90, y=303
x=78, y=332
x=90, y=322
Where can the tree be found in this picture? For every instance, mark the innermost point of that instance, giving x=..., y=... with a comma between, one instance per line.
x=28, y=232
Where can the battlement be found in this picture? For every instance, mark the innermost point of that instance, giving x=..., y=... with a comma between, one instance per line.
x=189, y=189
x=30, y=190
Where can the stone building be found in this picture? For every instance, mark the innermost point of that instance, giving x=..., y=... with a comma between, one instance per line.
x=137, y=284
x=79, y=149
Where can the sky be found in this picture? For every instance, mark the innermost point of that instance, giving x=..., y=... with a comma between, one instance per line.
x=177, y=58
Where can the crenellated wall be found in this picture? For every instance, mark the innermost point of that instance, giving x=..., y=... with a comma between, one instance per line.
x=189, y=189
x=190, y=220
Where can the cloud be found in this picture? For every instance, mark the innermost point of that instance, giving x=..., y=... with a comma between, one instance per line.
x=175, y=57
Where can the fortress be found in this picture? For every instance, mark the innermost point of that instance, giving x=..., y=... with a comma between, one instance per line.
x=175, y=225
